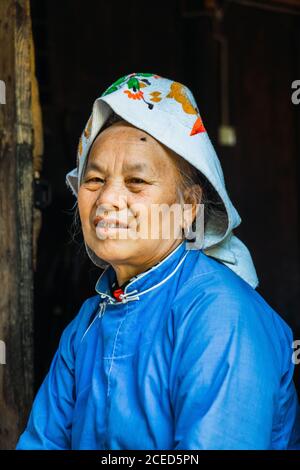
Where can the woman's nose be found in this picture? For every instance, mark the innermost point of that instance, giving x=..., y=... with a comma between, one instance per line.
x=112, y=194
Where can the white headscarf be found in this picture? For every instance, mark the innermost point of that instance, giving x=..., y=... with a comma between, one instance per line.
x=167, y=110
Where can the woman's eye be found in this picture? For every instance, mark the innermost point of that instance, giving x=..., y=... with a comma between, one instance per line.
x=137, y=180
x=94, y=180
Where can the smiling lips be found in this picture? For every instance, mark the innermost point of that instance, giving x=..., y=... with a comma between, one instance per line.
x=102, y=222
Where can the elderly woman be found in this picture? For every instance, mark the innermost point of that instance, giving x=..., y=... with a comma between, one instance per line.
x=177, y=350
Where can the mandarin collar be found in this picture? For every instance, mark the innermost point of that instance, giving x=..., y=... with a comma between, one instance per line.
x=145, y=280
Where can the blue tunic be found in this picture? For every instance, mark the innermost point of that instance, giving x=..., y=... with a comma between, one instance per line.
x=194, y=359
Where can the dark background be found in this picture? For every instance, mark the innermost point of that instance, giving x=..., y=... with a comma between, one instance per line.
x=83, y=46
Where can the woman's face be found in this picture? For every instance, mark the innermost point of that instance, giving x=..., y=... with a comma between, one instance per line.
x=128, y=176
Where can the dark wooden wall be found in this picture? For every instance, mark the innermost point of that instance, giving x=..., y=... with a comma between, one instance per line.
x=16, y=220
x=81, y=47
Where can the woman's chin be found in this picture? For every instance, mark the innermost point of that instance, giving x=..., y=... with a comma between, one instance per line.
x=111, y=249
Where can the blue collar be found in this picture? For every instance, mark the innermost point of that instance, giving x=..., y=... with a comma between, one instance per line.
x=145, y=280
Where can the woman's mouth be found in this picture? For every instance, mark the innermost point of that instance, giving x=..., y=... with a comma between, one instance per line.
x=105, y=227
x=104, y=224
x=109, y=223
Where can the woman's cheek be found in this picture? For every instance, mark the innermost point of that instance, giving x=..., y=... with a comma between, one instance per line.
x=86, y=201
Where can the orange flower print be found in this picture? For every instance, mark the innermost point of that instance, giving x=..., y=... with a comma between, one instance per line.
x=155, y=96
x=135, y=95
x=87, y=130
x=79, y=151
x=177, y=92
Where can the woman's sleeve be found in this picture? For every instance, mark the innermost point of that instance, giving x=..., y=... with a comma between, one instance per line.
x=225, y=375
x=49, y=424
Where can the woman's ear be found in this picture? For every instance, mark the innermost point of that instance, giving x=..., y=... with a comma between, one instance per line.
x=192, y=200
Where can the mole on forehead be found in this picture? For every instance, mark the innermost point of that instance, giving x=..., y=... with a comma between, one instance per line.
x=136, y=139
x=131, y=136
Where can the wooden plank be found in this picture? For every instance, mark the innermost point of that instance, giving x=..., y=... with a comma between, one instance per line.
x=38, y=147
x=16, y=221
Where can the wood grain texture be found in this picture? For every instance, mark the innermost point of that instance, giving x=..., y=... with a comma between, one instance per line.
x=16, y=221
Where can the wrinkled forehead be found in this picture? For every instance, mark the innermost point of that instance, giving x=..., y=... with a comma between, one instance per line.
x=122, y=137
x=123, y=132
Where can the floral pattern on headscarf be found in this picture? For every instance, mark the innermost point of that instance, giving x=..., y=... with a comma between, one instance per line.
x=136, y=81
